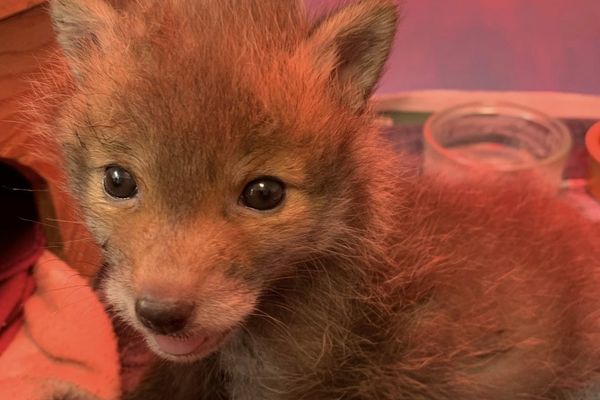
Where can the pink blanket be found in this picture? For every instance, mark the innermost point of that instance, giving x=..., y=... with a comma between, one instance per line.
x=64, y=342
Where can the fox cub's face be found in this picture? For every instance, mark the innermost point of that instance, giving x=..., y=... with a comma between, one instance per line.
x=215, y=148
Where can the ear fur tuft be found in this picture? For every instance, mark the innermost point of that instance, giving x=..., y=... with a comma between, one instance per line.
x=81, y=26
x=354, y=43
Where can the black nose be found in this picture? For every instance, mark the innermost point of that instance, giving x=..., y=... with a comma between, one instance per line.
x=163, y=317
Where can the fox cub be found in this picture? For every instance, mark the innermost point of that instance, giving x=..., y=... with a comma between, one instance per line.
x=269, y=243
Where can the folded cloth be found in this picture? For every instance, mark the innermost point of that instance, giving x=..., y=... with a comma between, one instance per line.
x=65, y=344
x=16, y=280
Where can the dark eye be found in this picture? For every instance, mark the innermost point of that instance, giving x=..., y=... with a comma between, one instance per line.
x=119, y=183
x=263, y=194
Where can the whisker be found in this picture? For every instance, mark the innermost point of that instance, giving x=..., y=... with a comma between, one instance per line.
x=65, y=220
x=15, y=189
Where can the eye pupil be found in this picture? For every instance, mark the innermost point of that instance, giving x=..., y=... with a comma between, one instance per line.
x=116, y=177
x=119, y=183
x=263, y=194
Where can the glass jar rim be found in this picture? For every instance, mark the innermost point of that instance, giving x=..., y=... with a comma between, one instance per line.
x=498, y=108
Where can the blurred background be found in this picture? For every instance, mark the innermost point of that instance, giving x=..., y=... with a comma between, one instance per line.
x=494, y=45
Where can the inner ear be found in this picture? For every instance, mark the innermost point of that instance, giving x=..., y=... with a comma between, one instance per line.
x=82, y=27
x=352, y=44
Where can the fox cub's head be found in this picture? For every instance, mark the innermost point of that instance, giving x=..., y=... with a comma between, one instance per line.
x=216, y=147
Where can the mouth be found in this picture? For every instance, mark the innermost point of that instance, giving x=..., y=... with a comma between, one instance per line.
x=188, y=348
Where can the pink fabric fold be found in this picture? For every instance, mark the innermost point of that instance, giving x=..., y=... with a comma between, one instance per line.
x=65, y=343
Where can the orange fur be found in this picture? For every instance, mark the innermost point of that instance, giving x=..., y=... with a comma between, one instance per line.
x=369, y=282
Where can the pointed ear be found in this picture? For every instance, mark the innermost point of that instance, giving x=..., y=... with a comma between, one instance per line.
x=352, y=44
x=82, y=26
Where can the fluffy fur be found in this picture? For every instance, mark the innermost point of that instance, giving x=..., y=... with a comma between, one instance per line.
x=369, y=282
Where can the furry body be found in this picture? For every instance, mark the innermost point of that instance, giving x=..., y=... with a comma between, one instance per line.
x=369, y=282
x=457, y=304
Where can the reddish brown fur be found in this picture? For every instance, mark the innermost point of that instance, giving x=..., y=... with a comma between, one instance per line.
x=370, y=282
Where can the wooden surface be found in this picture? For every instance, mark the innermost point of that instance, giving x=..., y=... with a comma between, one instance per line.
x=25, y=40
x=554, y=104
x=11, y=7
